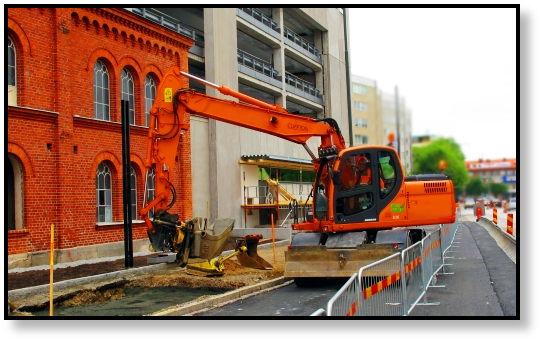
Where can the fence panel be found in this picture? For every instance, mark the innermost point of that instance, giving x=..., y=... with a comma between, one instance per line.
x=380, y=287
x=412, y=273
x=345, y=301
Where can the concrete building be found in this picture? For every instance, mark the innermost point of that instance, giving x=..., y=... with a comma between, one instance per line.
x=496, y=171
x=64, y=136
x=367, y=114
x=294, y=57
x=375, y=116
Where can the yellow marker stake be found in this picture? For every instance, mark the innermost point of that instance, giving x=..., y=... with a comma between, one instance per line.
x=273, y=237
x=51, y=270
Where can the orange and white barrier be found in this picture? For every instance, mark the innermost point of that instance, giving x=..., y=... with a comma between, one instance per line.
x=495, y=216
x=510, y=224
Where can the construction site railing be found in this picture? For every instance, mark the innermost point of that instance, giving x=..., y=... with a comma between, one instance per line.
x=393, y=286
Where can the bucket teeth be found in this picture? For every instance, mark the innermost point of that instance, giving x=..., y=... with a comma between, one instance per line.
x=250, y=258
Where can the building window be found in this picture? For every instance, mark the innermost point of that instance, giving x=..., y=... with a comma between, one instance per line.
x=103, y=194
x=360, y=122
x=101, y=91
x=12, y=74
x=360, y=106
x=150, y=190
x=15, y=191
x=133, y=193
x=150, y=93
x=360, y=139
x=127, y=93
x=359, y=89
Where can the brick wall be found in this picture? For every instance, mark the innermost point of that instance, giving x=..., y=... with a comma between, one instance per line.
x=53, y=132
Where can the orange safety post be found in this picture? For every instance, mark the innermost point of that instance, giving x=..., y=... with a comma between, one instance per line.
x=273, y=237
x=495, y=216
x=479, y=212
x=504, y=207
x=51, y=261
x=510, y=224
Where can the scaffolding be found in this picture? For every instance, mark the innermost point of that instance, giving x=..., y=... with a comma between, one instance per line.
x=274, y=191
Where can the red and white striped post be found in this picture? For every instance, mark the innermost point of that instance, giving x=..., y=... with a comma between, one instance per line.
x=510, y=224
x=495, y=216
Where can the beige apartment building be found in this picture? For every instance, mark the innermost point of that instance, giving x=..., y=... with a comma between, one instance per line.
x=375, y=116
x=294, y=57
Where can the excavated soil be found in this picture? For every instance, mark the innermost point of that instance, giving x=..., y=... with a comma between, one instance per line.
x=197, y=287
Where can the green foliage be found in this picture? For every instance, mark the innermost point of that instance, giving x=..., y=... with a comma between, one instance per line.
x=475, y=187
x=426, y=160
x=498, y=189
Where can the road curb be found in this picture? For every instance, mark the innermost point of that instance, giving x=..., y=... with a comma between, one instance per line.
x=505, y=241
x=192, y=308
x=18, y=294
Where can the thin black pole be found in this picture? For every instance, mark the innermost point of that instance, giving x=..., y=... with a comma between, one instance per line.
x=127, y=202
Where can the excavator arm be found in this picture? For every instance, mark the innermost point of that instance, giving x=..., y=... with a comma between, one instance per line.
x=171, y=115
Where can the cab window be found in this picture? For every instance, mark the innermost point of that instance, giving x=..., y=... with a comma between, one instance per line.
x=355, y=172
x=354, y=204
x=386, y=172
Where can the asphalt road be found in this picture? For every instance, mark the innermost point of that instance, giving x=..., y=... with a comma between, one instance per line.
x=482, y=283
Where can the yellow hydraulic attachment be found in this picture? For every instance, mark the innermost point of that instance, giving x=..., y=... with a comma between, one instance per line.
x=213, y=267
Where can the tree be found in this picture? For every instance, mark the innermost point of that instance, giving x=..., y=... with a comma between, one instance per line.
x=498, y=189
x=475, y=187
x=426, y=160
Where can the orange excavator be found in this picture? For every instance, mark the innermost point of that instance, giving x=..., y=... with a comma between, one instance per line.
x=356, y=217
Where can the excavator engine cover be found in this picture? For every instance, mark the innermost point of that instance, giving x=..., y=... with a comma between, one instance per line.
x=250, y=258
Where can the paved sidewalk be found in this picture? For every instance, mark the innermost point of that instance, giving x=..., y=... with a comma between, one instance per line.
x=484, y=279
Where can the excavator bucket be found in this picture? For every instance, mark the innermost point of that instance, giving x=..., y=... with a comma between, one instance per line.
x=250, y=258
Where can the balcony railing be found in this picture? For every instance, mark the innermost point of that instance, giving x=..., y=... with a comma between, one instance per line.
x=164, y=20
x=253, y=12
x=301, y=43
x=302, y=85
x=256, y=64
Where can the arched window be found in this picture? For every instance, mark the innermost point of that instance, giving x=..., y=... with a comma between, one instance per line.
x=10, y=183
x=150, y=93
x=127, y=93
x=101, y=91
x=14, y=182
x=150, y=189
x=133, y=193
x=104, y=210
x=12, y=74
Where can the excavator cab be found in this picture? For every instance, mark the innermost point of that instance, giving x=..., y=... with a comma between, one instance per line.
x=364, y=180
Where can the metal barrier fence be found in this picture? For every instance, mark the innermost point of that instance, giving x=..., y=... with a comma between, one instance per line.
x=345, y=301
x=394, y=285
x=380, y=288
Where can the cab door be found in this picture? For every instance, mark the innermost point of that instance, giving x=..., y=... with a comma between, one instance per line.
x=361, y=192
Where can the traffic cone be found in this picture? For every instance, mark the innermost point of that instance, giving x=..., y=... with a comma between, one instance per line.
x=479, y=213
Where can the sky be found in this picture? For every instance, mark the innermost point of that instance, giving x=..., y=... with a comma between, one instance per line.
x=455, y=67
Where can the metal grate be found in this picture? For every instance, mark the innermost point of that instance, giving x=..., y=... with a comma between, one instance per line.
x=435, y=187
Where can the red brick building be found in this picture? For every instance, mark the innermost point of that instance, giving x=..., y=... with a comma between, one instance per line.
x=69, y=68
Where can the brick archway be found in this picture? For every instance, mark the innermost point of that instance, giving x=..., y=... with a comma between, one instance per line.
x=17, y=30
x=16, y=150
x=109, y=156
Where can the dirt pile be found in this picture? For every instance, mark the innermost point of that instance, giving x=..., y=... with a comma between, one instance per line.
x=235, y=276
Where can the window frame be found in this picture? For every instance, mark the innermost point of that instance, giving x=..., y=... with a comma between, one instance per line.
x=151, y=87
x=12, y=87
x=105, y=91
x=106, y=172
x=128, y=94
x=360, y=106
